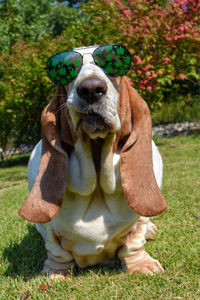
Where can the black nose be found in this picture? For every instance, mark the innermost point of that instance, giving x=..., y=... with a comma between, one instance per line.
x=91, y=89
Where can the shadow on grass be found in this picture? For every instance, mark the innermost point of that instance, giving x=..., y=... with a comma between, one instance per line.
x=26, y=259
x=195, y=136
x=20, y=160
x=113, y=268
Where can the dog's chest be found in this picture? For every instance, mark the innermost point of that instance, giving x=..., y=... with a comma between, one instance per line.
x=97, y=217
x=89, y=224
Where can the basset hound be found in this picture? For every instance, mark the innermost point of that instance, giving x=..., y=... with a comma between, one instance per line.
x=94, y=178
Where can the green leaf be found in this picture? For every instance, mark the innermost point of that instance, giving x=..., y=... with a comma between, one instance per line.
x=52, y=73
x=127, y=59
x=101, y=63
x=122, y=72
x=73, y=72
x=109, y=57
x=98, y=52
x=120, y=50
x=62, y=72
x=108, y=48
x=109, y=70
x=77, y=62
x=118, y=63
x=67, y=62
x=63, y=81
x=54, y=62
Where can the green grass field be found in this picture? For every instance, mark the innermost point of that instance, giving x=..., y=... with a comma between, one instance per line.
x=176, y=244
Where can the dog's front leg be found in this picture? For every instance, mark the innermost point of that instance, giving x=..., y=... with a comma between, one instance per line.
x=82, y=174
x=107, y=172
x=59, y=262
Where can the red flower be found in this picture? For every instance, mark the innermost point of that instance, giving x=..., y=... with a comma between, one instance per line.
x=182, y=76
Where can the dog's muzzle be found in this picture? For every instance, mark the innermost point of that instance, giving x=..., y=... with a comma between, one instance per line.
x=93, y=122
x=92, y=89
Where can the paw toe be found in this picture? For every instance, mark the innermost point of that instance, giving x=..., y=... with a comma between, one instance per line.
x=142, y=263
x=59, y=275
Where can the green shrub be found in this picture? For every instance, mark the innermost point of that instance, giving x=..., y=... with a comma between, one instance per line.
x=184, y=109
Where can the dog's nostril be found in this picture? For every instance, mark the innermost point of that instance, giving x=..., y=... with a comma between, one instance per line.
x=85, y=92
x=92, y=89
x=100, y=90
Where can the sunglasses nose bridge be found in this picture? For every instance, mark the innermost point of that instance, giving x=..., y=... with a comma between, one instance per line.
x=87, y=58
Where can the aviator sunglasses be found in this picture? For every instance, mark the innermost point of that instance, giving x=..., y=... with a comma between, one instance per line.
x=114, y=60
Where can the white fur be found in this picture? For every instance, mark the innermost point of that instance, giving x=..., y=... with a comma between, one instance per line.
x=157, y=164
x=81, y=172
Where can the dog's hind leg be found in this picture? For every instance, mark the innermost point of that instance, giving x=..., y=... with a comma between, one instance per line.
x=151, y=230
x=133, y=256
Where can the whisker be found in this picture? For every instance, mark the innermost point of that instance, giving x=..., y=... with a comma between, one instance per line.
x=63, y=95
x=53, y=96
x=61, y=107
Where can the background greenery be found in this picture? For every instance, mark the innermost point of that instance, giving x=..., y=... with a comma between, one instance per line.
x=176, y=244
x=163, y=37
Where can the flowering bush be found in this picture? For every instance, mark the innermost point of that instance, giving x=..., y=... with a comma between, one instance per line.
x=164, y=40
x=163, y=36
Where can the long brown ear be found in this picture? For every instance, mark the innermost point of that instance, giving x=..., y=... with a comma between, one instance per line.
x=46, y=196
x=138, y=180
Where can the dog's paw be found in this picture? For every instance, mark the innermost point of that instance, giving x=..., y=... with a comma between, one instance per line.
x=141, y=262
x=146, y=267
x=54, y=270
x=60, y=274
x=151, y=230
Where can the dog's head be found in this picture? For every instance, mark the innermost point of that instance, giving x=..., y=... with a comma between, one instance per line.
x=93, y=99
x=96, y=105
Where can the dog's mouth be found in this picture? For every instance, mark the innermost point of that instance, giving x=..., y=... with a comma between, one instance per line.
x=94, y=125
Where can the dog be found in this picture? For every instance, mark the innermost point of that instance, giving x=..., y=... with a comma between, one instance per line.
x=95, y=177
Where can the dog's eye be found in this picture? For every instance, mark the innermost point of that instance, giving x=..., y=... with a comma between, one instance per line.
x=64, y=67
x=115, y=60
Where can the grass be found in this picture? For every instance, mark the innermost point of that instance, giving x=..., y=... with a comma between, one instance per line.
x=176, y=244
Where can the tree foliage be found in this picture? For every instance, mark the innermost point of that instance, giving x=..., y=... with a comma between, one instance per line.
x=73, y=3
x=23, y=93
x=31, y=20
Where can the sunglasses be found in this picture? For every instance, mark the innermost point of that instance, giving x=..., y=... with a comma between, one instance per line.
x=114, y=60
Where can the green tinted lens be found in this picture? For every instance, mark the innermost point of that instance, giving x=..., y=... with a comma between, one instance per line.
x=115, y=60
x=63, y=67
